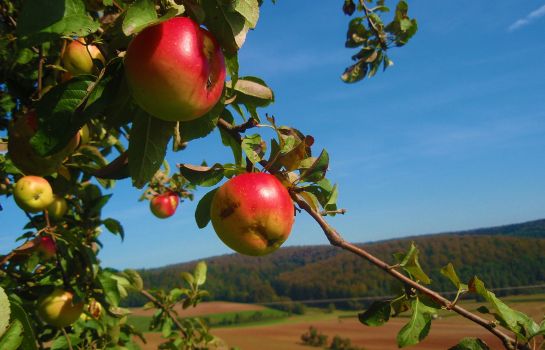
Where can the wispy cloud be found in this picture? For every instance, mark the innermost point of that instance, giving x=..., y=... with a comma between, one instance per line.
x=532, y=16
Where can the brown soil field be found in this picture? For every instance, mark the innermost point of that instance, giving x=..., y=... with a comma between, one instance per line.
x=285, y=335
x=207, y=308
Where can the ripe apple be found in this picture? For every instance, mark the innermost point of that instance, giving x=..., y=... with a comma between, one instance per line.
x=33, y=193
x=46, y=247
x=164, y=205
x=175, y=70
x=252, y=213
x=78, y=57
x=57, y=208
x=58, y=308
x=23, y=155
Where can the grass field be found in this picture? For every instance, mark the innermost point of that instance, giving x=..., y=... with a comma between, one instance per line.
x=285, y=333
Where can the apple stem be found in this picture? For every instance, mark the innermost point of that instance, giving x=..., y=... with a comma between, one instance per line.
x=68, y=342
x=336, y=240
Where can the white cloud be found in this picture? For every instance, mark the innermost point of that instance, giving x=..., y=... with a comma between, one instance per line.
x=532, y=16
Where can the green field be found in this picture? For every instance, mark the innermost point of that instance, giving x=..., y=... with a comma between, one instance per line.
x=226, y=319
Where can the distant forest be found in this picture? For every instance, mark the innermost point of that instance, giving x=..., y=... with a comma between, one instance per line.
x=512, y=255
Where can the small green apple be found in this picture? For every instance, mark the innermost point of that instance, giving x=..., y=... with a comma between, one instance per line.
x=57, y=208
x=78, y=57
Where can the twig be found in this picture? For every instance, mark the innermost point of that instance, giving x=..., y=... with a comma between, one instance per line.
x=67, y=339
x=168, y=311
x=41, y=60
x=373, y=25
x=335, y=239
x=328, y=212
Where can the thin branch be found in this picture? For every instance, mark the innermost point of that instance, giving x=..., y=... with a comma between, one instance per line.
x=335, y=239
x=41, y=60
x=168, y=311
x=373, y=25
x=329, y=212
x=69, y=343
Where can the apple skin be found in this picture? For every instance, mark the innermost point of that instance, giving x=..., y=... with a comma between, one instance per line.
x=175, y=70
x=78, y=57
x=33, y=193
x=58, y=308
x=46, y=247
x=164, y=205
x=252, y=213
x=57, y=208
x=23, y=155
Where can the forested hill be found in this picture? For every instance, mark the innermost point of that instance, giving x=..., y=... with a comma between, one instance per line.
x=510, y=255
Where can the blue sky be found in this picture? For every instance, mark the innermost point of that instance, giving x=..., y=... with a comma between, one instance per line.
x=451, y=137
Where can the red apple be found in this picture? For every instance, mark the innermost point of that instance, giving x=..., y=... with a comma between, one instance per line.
x=58, y=308
x=164, y=205
x=46, y=247
x=175, y=69
x=23, y=155
x=78, y=57
x=252, y=213
x=33, y=193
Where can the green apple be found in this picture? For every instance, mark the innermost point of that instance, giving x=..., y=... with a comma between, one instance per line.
x=33, y=193
x=78, y=57
x=57, y=208
x=252, y=213
x=58, y=308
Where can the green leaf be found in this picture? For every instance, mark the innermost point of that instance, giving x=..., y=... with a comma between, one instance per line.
x=517, y=322
x=147, y=147
x=229, y=140
x=410, y=264
x=470, y=344
x=252, y=90
x=228, y=26
x=13, y=338
x=202, y=213
x=139, y=15
x=188, y=278
x=58, y=120
x=5, y=311
x=201, y=126
x=111, y=290
x=418, y=326
x=202, y=175
x=19, y=313
x=134, y=279
x=114, y=227
x=315, y=168
x=254, y=147
x=355, y=72
x=200, y=273
x=311, y=200
x=331, y=204
x=43, y=20
x=449, y=272
x=231, y=63
x=377, y=314
x=249, y=9
x=61, y=343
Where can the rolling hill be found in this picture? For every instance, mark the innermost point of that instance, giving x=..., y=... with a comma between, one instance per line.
x=511, y=255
